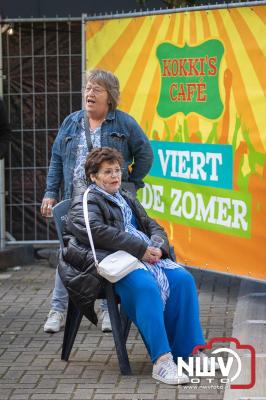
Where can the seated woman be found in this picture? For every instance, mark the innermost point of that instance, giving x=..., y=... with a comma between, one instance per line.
x=161, y=299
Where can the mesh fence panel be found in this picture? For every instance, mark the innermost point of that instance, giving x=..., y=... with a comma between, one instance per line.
x=42, y=85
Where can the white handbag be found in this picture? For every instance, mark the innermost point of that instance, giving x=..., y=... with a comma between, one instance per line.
x=115, y=266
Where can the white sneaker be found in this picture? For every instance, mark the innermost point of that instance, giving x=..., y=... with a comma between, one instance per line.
x=106, y=323
x=166, y=372
x=55, y=321
x=203, y=356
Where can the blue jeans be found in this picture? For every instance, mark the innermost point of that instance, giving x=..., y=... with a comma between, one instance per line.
x=60, y=295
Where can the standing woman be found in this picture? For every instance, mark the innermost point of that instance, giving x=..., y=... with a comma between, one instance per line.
x=100, y=124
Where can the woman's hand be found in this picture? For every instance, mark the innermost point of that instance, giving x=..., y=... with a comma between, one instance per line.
x=46, y=207
x=152, y=255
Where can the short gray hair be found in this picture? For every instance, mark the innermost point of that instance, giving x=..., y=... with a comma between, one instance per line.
x=109, y=81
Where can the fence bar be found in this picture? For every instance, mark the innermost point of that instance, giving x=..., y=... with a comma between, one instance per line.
x=2, y=205
x=37, y=242
x=176, y=10
x=2, y=167
x=44, y=19
x=83, y=54
x=140, y=13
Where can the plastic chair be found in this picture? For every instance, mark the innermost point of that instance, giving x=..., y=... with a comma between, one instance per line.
x=119, y=321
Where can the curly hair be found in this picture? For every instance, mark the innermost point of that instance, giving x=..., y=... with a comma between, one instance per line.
x=99, y=155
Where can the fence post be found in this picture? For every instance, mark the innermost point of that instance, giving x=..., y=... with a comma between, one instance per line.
x=2, y=167
x=2, y=205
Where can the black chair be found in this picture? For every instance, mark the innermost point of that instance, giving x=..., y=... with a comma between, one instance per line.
x=119, y=321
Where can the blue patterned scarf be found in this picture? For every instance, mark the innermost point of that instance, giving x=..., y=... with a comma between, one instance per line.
x=157, y=269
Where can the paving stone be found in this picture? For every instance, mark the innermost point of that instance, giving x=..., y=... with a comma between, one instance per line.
x=74, y=370
x=134, y=397
x=146, y=388
x=64, y=388
x=5, y=394
x=12, y=374
x=106, y=397
x=167, y=394
x=112, y=379
x=81, y=394
x=24, y=358
x=29, y=378
x=3, y=370
x=47, y=383
x=41, y=396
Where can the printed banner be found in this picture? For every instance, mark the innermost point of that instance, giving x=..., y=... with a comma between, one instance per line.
x=196, y=83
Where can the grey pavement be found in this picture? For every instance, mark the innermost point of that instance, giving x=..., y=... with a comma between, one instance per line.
x=30, y=364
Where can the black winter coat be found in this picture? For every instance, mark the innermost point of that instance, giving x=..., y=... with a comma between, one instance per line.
x=76, y=264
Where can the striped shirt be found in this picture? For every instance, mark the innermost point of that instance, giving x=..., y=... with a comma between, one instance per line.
x=157, y=269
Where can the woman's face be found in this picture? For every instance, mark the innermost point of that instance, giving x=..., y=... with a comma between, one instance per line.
x=108, y=177
x=96, y=100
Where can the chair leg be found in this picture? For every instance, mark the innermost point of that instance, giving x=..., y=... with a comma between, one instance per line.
x=126, y=323
x=73, y=320
x=119, y=339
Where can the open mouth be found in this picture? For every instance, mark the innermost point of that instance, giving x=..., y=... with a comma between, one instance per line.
x=90, y=101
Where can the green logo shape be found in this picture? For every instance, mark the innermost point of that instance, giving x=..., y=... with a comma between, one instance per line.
x=190, y=79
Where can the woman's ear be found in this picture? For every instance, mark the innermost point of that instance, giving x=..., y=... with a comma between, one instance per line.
x=92, y=177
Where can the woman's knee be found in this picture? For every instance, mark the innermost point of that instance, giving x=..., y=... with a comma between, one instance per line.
x=147, y=288
x=142, y=284
x=181, y=278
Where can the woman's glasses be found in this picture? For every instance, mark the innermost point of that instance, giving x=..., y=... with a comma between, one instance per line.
x=111, y=172
x=96, y=90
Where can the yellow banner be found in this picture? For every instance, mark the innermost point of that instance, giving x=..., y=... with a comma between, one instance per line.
x=196, y=82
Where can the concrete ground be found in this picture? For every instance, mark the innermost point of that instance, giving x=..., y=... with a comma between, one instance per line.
x=30, y=364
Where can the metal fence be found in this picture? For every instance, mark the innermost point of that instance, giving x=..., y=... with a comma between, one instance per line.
x=41, y=86
x=43, y=63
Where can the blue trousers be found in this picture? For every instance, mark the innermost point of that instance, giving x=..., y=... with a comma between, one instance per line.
x=176, y=328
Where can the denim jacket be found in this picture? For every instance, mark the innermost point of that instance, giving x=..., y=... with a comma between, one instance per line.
x=119, y=130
